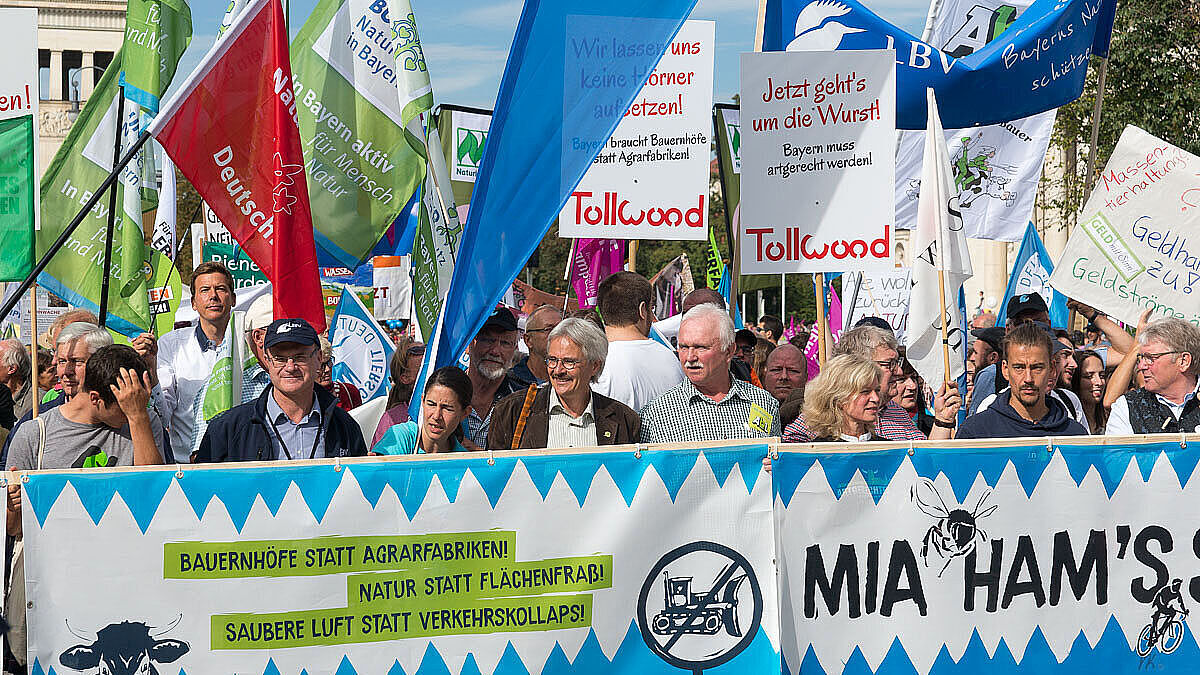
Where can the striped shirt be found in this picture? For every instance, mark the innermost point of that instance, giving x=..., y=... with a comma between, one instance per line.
x=895, y=424
x=684, y=414
x=570, y=432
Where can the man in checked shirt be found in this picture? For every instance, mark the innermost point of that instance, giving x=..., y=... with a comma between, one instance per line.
x=894, y=423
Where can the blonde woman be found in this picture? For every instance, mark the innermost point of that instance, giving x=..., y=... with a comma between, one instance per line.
x=842, y=403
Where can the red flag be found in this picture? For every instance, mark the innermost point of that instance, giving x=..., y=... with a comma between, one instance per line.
x=231, y=129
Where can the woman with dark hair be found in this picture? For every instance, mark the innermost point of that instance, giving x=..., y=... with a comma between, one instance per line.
x=1088, y=384
x=445, y=404
x=910, y=395
x=405, y=367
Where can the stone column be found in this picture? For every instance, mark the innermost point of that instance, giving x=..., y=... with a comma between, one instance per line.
x=56, y=76
x=87, y=76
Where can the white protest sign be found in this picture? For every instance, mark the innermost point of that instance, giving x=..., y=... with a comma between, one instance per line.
x=884, y=294
x=1135, y=245
x=650, y=181
x=393, y=287
x=817, y=161
x=470, y=131
x=19, y=76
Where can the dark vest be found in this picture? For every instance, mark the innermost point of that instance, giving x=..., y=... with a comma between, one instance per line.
x=1148, y=415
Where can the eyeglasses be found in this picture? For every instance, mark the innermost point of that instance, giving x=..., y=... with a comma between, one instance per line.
x=891, y=364
x=415, y=350
x=568, y=365
x=1151, y=358
x=298, y=359
x=539, y=330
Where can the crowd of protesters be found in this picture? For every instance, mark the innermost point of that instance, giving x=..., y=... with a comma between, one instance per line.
x=607, y=376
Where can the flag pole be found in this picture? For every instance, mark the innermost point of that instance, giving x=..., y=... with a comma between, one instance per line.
x=112, y=209
x=33, y=348
x=1089, y=181
x=74, y=224
x=567, y=275
x=822, y=323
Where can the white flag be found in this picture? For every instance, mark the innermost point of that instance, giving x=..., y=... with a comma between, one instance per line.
x=163, y=238
x=939, y=229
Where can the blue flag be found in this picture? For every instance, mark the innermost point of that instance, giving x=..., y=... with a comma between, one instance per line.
x=1037, y=64
x=1031, y=274
x=573, y=71
x=725, y=288
x=362, y=350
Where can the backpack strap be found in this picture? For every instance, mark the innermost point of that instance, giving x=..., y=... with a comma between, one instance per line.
x=525, y=410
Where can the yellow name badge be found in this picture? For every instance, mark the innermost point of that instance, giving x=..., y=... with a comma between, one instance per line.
x=759, y=420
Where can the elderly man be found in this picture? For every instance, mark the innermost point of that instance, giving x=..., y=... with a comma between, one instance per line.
x=255, y=378
x=1168, y=353
x=492, y=353
x=291, y=419
x=710, y=404
x=566, y=414
x=786, y=370
x=894, y=423
x=531, y=368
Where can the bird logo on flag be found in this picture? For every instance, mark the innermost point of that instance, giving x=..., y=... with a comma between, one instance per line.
x=814, y=32
x=284, y=174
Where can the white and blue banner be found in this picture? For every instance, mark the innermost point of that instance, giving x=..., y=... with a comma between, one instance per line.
x=593, y=561
x=362, y=350
x=1000, y=557
x=1036, y=64
x=1031, y=274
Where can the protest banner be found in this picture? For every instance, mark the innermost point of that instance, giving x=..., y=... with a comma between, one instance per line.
x=393, y=287
x=881, y=293
x=1038, y=63
x=817, y=167
x=651, y=179
x=463, y=133
x=996, y=168
x=18, y=141
x=1129, y=251
x=415, y=564
x=361, y=165
x=1001, y=556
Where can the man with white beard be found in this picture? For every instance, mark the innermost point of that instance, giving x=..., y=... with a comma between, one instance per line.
x=492, y=353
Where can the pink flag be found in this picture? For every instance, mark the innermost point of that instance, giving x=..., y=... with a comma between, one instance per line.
x=833, y=314
x=595, y=260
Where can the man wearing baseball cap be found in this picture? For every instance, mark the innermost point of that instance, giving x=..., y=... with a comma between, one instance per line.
x=293, y=418
x=1022, y=309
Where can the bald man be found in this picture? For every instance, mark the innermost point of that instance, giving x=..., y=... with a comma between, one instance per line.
x=786, y=370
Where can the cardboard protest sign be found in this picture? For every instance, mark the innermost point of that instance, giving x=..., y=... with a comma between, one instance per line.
x=817, y=164
x=424, y=564
x=881, y=293
x=650, y=181
x=1134, y=247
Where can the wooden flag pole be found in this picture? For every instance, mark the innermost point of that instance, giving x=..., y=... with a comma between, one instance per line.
x=822, y=323
x=945, y=329
x=33, y=349
x=633, y=251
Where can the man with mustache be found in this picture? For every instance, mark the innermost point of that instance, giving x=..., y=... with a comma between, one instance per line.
x=1167, y=403
x=492, y=353
x=1024, y=410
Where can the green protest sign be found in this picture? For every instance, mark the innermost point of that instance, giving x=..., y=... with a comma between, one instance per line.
x=17, y=203
x=245, y=272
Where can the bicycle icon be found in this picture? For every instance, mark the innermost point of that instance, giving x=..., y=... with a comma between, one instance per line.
x=1167, y=639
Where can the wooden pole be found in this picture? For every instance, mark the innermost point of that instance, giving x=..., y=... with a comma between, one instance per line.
x=33, y=349
x=632, y=256
x=822, y=323
x=945, y=329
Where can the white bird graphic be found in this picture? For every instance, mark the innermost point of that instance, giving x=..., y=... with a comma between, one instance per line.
x=812, y=36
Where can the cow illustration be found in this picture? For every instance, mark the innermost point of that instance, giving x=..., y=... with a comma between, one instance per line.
x=126, y=648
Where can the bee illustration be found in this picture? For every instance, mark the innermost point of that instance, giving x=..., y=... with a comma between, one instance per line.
x=956, y=531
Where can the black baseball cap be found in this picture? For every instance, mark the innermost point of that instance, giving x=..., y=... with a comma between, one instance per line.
x=1026, y=302
x=993, y=336
x=745, y=335
x=876, y=322
x=501, y=319
x=296, y=331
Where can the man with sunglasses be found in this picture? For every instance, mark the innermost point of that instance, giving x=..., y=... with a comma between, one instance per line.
x=1167, y=361
x=293, y=418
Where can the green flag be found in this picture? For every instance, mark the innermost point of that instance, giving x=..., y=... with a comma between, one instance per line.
x=463, y=133
x=360, y=79
x=715, y=266
x=17, y=198
x=156, y=34
x=165, y=292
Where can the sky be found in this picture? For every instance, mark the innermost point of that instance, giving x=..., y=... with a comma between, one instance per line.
x=466, y=41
